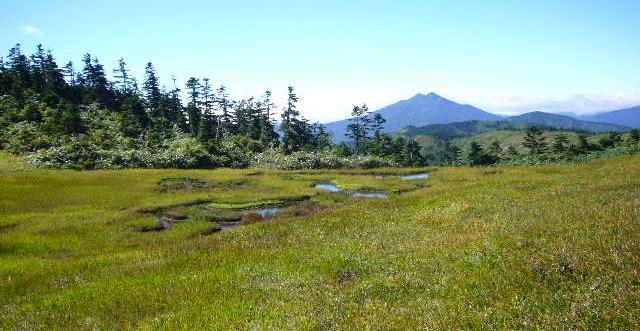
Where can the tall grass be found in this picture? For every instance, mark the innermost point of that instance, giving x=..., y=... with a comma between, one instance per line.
x=548, y=247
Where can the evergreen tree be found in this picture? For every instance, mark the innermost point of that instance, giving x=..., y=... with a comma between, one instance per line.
x=321, y=138
x=358, y=128
x=268, y=135
x=133, y=118
x=634, y=136
x=121, y=73
x=38, y=69
x=478, y=157
x=94, y=82
x=560, y=143
x=512, y=152
x=411, y=154
x=295, y=129
x=69, y=73
x=611, y=140
x=583, y=145
x=534, y=140
x=495, y=149
x=451, y=154
x=226, y=118
x=151, y=90
x=175, y=113
x=53, y=76
x=194, y=113
x=18, y=72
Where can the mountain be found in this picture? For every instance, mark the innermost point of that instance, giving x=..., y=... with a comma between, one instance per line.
x=627, y=117
x=418, y=111
x=564, y=122
x=460, y=129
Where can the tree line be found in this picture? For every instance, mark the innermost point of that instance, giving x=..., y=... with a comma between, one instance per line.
x=49, y=110
x=77, y=117
x=537, y=149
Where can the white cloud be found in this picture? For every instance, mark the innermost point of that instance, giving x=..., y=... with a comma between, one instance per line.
x=577, y=104
x=31, y=30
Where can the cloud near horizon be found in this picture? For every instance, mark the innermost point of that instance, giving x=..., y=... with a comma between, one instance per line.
x=577, y=104
x=31, y=30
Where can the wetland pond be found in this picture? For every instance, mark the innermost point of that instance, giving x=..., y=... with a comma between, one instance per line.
x=357, y=194
x=225, y=217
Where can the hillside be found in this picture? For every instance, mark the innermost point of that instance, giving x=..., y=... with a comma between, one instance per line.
x=459, y=129
x=565, y=122
x=418, y=111
x=627, y=117
x=516, y=138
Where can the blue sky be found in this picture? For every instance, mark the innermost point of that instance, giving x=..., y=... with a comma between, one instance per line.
x=505, y=56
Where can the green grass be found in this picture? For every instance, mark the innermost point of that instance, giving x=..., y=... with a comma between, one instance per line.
x=547, y=247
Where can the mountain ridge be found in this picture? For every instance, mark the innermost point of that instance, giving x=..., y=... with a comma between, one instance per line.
x=427, y=109
x=419, y=110
x=627, y=116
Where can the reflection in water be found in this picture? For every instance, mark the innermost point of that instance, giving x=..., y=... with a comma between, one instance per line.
x=267, y=212
x=370, y=195
x=416, y=176
x=334, y=189
x=328, y=187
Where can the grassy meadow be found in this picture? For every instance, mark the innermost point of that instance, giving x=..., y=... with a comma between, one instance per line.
x=546, y=247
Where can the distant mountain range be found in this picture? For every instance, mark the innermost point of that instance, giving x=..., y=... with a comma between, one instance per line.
x=422, y=110
x=628, y=117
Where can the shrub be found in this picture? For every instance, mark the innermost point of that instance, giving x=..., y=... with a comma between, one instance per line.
x=274, y=159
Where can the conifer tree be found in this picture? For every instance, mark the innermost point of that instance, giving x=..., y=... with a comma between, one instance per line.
x=151, y=90
x=194, y=113
x=290, y=136
x=121, y=73
x=560, y=143
x=358, y=128
x=634, y=136
x=534, y=140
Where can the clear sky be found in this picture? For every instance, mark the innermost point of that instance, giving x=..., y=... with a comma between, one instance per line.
x=505, y=56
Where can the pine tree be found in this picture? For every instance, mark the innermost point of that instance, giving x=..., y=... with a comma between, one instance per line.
x=321, y=138
x=634, y=136
x=534, y=140
x=358, y=128
x=290, y=138
x=225, y=118
x=583, y=145
x=121, y=73
x=175, y=113
x=452, y=154
x=268, y=135
x=560, y=143
x=53, y=75
x=194, y=114
x=512, y=152
x=38, y=69
x=18, y=72
x=69, y=73
x=151, y=90
x=94, y=82
x=411, y=153
x=495, y=149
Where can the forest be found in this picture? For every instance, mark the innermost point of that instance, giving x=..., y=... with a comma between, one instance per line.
x=77, y=118
x=64, y=117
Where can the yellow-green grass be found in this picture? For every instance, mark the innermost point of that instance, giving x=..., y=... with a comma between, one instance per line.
x=547, y=247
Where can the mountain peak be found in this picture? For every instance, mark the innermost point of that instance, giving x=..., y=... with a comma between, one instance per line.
x=430, y=95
